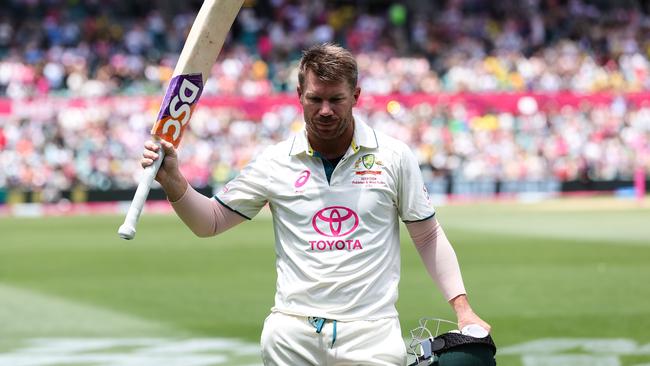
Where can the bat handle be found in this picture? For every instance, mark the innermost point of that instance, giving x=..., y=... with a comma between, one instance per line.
x=127, y=230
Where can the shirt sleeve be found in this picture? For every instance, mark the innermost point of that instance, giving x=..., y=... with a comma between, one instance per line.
x=438, y=256
x=248, y=192
x=204, y=216
x=413, y=201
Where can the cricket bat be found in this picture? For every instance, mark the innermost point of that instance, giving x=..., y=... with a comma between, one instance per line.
x=199, y=53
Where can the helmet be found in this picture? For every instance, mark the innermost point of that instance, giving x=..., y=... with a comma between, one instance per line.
x=451, y=348
x=455, y=349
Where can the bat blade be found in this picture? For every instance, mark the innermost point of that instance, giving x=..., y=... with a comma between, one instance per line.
x=203, y=44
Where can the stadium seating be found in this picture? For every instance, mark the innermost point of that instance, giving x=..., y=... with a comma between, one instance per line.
x=544, y=91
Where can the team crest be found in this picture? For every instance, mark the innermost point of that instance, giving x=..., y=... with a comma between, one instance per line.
x=368, y=160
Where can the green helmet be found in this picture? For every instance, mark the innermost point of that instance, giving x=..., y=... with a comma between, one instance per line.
x=455, y=349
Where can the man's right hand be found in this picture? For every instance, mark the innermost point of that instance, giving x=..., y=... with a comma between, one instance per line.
x=169, y=175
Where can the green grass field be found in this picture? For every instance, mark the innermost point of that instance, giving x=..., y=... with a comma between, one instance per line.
x=562, y=282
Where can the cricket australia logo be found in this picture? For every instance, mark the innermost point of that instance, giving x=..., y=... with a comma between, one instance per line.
x=368, y=160
x=369, y=168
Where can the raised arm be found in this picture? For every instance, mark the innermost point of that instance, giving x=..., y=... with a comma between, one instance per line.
x=204, y=216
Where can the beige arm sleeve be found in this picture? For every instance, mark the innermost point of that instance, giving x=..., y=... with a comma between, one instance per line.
x=204, y=216
x=438, y=256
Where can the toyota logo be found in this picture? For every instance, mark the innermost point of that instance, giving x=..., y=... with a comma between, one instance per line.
x=335, y=221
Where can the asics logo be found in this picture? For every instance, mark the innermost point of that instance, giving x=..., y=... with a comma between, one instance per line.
x=302, y=178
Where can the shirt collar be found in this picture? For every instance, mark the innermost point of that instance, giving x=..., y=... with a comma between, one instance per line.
x=364, y=136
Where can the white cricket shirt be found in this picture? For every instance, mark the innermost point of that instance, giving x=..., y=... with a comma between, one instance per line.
x=337, y=242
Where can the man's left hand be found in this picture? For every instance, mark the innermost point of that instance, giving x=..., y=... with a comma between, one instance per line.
x=465, y=314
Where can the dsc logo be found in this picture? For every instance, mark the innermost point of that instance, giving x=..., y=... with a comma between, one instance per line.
x=180, y=114
x=182, y=94
x=335, y=221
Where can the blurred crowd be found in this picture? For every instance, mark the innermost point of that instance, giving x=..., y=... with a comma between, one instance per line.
x=94, y=49
x=52, y=148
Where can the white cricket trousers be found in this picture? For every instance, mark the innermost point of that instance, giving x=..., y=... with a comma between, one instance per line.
x=289, y=340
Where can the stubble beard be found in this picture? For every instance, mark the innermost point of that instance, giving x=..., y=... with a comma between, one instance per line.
x=344, y=124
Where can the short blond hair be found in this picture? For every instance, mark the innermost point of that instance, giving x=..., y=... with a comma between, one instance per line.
x=330, y=63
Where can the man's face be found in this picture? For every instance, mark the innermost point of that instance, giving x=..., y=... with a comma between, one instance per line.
x=327, y=107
